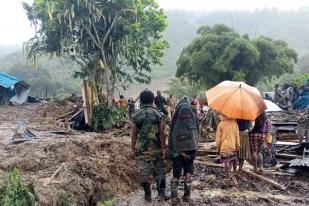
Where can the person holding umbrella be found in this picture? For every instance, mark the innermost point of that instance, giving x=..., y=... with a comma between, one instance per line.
x=228, y=143
x=235, y=100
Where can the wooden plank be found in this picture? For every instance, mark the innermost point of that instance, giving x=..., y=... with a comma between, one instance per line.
x=286, y=143
x=287, y=136
x=86, y=104
x=288, y=156
x=210, y=164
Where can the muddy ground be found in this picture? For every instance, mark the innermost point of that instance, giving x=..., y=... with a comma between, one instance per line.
x=92, y=167
x=208, y=189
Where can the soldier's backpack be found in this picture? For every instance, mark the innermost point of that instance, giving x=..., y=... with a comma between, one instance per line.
x=184, y=129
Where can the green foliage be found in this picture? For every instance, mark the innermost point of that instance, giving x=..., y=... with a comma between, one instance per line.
x=300, y=79
x=105, y=118
x=180, y=88
x=219, y=54
x=267, y=85
x=15, y=192
x=108, y=202
x=65, y=199
x=112, y=41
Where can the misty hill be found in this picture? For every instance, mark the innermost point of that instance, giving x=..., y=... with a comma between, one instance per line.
x=291, y=26
x=8, y=49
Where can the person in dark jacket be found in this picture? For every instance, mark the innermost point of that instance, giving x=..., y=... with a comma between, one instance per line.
x=183, y=144
x=256, y=139
x=160, y=102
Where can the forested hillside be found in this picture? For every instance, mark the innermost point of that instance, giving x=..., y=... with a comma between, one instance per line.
x=291, y=26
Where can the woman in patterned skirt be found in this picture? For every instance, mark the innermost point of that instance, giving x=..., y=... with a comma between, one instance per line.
x=257, y=138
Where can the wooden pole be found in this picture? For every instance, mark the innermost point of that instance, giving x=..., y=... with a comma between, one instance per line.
x=86, y=104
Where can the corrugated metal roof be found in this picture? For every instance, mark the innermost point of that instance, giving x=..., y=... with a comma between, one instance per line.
x=300, y=162
x=7, y=81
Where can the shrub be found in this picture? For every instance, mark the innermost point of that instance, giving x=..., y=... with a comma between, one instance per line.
x=108, y=202
x=65, y=199
x=300, y=79
x=105, y=118
x=14, y=192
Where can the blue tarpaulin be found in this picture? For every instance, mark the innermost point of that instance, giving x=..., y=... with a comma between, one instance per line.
x=303, y=101
x=12, y=89
x=7, y=81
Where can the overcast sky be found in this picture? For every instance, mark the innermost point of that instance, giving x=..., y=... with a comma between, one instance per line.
x=15, y=27
x=211, y=5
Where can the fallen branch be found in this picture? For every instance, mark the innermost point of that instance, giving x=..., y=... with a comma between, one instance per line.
x=56, y=173
x=260, y=177
x=265, y=179
x=68, y=114
x=234, y=181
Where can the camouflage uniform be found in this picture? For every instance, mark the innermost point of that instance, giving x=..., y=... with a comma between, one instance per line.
x=150, y=162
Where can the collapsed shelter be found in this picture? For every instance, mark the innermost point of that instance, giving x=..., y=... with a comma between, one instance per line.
x=13, y=89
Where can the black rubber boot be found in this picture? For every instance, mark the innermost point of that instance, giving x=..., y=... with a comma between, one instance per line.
x=147, y=190
x=174, y=191
x=187, y=191
x=161, y=187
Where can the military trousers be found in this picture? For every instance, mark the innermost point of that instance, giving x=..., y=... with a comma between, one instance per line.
x=152, y=169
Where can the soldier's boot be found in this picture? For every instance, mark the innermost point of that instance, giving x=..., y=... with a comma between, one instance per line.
x=161, y=187
x=174, y=191
x=147, y=190
x=187, y=190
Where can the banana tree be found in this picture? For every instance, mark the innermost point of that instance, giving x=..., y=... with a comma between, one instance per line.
x=113, y=41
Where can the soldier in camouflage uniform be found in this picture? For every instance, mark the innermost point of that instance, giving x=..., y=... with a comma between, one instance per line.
x=148, y=145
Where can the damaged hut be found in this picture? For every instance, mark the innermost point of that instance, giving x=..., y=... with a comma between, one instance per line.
x=13, y=90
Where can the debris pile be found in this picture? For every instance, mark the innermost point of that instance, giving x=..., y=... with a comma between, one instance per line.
x=49, y=111
x=284, y=116
x=90, y=167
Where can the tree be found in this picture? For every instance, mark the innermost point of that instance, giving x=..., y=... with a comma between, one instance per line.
x=181, y=87
x=219, y=53
x=113, y=41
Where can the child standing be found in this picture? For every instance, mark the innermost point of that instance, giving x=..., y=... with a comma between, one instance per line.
x=228, y=143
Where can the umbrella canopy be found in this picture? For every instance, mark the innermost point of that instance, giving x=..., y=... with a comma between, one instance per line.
x=271, y=107
x=236, y=100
